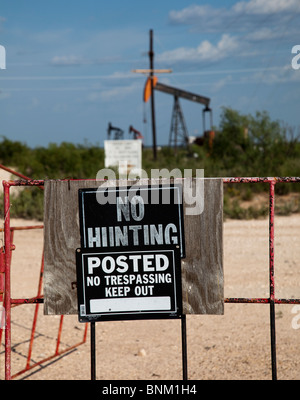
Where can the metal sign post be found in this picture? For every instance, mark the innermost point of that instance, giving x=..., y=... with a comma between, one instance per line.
x=129, y=263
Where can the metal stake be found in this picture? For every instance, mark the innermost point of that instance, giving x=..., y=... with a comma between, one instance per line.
x=272, y=280
x=184, y=348
x=93, y=352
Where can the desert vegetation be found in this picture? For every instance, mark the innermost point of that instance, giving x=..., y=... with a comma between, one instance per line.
x=244, y=145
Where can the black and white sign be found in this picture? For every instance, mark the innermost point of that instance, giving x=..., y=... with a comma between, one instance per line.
x=129, y=284
x=138, y=217
x=132, y=242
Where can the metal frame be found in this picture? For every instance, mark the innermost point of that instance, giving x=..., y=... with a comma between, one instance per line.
x=272, y=299
x=5, y=289
x=8, y=247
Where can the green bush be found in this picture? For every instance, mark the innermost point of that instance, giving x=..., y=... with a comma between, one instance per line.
x=244, y=146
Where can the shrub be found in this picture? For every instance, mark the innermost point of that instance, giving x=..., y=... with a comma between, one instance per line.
x=244, y=145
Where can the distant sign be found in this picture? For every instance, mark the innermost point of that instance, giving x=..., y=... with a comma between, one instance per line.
x=2, y=57
x=129, y=263
x=124, y=154
x=128, y=284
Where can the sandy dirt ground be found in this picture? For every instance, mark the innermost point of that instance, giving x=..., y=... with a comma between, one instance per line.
x=233, y=346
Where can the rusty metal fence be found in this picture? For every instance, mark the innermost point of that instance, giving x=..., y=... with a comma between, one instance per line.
x=5, y=289
x=272, y=300
x=5, y=267
x=37, y=300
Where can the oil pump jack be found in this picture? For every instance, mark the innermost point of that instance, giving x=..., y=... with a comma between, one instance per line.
x=136, y=134
x=178, y=131
x=118, y=132
x=178, y=127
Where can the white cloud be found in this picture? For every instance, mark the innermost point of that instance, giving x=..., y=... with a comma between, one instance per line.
x=284, y=74
x=118, y=92
x=266, y=6
x=216, y=86
x=191, y=13
x=68, y=60
x=241, y=16
x=264, y=34
x=247, y=29
x=205, y=17
x=206, y=51
x=113, y=93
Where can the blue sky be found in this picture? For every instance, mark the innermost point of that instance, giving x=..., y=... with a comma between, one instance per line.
x=69, y=64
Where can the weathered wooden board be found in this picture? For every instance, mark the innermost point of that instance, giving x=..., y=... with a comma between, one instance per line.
x=202, y=269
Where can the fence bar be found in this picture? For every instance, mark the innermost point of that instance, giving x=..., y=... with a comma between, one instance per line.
x=59, y=334
x=5, y=269
x=35, y=313
x=260, y=300
x=7, y=297
x=29, y=182
x=262, y=180
x=2, y=271
x=93, y=350
x=32, y=300
x=247, y=300
x=272, y=279
x=13, y=172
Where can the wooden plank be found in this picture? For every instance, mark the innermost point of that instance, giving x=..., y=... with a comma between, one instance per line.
x=202, y=269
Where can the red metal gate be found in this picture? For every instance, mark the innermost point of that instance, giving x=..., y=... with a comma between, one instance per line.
x=5, y=289
x=271, y=299
x=5, y=262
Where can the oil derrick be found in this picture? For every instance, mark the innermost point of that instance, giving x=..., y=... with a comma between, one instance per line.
x=117, y=131
x=136, y=134
x=178, y=131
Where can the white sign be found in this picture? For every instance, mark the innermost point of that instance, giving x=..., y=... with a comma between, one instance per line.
x=124, y=154
x=2, y=57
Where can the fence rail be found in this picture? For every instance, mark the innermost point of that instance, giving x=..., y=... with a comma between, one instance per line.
x=5, y=256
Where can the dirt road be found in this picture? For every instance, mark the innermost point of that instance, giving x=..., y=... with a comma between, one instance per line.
x=233, y=346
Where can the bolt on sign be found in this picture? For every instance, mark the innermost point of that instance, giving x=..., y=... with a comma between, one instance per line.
x=129, y=263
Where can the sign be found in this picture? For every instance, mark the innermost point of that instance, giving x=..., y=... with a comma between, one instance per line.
x=138, y=217
x=2, y=57
x=132, y=242
x=124, y=154
x=201, y=269
x=128, y=284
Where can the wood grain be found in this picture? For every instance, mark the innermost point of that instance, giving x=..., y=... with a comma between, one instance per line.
x=202, y=269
